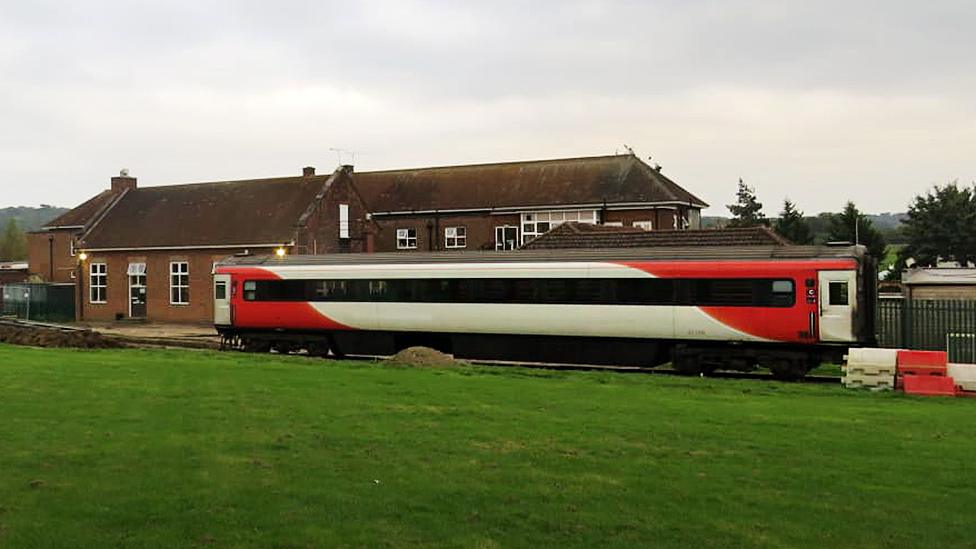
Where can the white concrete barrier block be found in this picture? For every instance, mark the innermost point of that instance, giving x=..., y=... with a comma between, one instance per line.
x=868, y=355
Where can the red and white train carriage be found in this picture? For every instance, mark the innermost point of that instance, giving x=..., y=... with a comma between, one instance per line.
x=787, y=308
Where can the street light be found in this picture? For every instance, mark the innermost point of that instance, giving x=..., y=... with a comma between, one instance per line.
x=280, y=252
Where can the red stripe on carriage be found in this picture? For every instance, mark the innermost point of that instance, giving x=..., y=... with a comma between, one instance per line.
x=785, y=324
x=294, y=315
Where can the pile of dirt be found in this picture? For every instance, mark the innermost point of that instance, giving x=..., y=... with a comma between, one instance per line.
x=51, y=337
x=425, y=357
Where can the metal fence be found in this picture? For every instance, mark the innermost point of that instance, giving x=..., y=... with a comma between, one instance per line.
x=929, y=325
x=44, y=302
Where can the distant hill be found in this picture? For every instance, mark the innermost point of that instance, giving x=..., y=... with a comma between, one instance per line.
x=888, y=223
x=30, y=219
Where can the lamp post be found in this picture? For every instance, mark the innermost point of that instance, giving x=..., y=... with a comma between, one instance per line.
x=80, y=315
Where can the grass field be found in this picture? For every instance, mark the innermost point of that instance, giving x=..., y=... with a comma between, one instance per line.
x=195, y=449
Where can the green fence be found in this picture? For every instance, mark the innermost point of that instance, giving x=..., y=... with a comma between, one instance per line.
x=929, y=325
x=43, y=302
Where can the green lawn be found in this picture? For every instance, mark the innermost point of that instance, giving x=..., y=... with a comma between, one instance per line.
x=194, y=449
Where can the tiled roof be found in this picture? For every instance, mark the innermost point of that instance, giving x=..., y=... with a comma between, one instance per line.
x=84, y=214
x=590, y=180
x=588, y=236
x=267, y=211
x=260, y=211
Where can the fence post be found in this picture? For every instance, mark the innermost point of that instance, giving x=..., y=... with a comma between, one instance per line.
x=906, y=323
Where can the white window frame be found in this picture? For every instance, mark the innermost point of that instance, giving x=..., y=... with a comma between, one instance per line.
x=404, y=239
x=645, y=225
x=456, y=237
x=501, y=245
x=343, y=220
x=98, y=283
x=179, y=280
x=537, y=223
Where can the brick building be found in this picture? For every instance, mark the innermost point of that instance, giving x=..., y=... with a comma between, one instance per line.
x=12, y=272
x=149, y=252
x=502, y=206
x=138, y=252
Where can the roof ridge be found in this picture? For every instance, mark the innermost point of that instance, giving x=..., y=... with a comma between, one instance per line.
x=233, y=181
x=506, y=163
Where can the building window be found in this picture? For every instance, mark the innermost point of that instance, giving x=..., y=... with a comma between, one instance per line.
x=455, y=237
x=506, y=237
x=98, y=283
x=537, y=223
x=179, y=283
x=645, y=225
x=406, y=239
x=343, y=220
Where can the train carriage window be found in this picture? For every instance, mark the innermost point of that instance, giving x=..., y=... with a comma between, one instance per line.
x=496, y=290
x=783, y=293
x=729, y=292
x=589, y=290
x=643, y=291
x=742, y=292
x=556, y=290
x=220, y=290
x=329, y=290
x=523, y=291
x=378, y=290
x=250, y=290
x=838, y=293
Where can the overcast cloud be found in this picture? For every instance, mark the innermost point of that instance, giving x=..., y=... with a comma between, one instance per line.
x=818, y=101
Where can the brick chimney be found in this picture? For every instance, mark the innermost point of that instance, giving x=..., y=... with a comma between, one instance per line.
x=308, y=171
x=123, y=182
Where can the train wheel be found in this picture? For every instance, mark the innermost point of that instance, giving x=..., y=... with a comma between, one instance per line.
x=256, y=346
x=336, y=351
x=318, y=349
x=785, y=369
x=687, y=364
x=284, y=347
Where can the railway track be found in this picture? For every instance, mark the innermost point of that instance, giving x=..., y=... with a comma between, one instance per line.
x=650, y=371
x=760, y=376
x=150, y=342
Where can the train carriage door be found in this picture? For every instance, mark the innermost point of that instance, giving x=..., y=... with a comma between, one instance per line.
x=222, y=300
x=838, y=301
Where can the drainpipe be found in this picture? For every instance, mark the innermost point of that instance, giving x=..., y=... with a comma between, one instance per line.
x=80, y=285
x=437, y=230
x=430, y=239
x=50, y=257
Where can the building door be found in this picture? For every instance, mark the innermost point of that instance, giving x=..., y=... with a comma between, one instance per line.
x=506, y=237
x=838, y=300
x=137, y=290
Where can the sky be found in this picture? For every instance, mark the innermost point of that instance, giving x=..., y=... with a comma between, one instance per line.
x=820, y=102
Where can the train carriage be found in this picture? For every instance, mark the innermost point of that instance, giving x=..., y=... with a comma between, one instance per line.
x=786, y=308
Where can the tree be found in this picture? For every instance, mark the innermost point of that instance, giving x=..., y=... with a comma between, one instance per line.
x=792, y=226
x=747, y=211
x=853, y=226
x=13, y=243
x=941, y=226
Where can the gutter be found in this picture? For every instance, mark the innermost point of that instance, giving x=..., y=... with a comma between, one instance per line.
x=518, y=209
x=201, y=247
